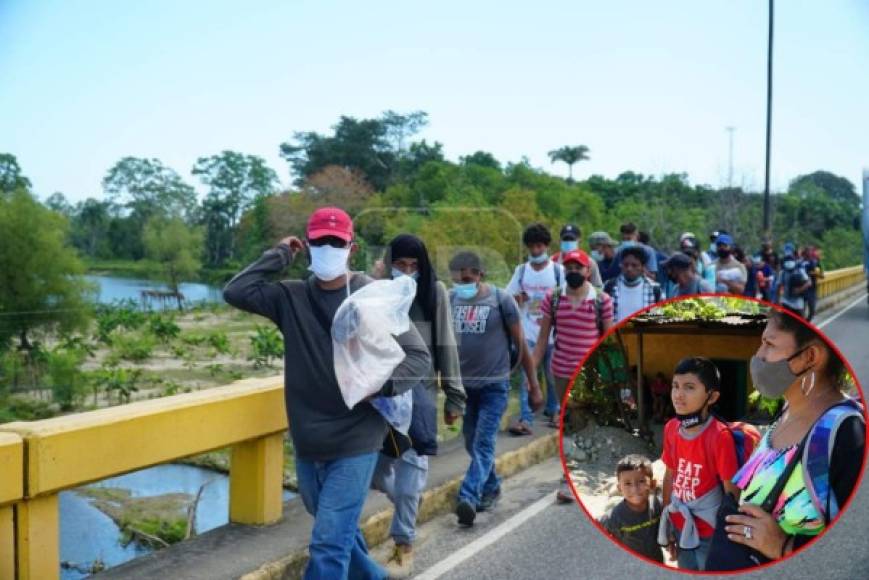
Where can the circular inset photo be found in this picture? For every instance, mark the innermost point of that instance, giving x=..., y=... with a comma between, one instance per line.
x=714, y=434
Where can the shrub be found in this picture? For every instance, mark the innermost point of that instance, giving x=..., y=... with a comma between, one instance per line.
x=163, y=327
x=267, y=344
x=67, y=382
x=134, y=348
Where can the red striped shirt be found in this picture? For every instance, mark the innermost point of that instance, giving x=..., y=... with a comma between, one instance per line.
x=576, y=329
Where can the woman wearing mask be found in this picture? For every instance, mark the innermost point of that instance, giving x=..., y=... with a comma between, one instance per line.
x=808, y=462
x=403, y=478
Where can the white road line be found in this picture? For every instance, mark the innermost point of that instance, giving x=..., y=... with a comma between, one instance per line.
x=843, y=311
x=486, y=540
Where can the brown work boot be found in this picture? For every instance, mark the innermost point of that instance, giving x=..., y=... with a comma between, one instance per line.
x=400, y=564
x=520, y=428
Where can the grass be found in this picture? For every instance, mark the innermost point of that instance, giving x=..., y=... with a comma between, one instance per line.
x=161, y=516
x=149, y=270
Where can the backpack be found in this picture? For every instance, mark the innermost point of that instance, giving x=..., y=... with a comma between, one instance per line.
x=515, y=351
x=746, y=438
x=816, y=456
x=556, y=268
x=556, y=302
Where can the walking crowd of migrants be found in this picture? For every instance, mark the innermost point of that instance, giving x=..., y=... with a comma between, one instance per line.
x=362, y=405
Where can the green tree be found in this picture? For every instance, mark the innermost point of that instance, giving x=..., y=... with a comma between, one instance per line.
x=148, y=188
x=234, y=181
x=41, y=283
x=481, y=158
x=145, y=188
x=837, y=188
x=11, y=178
x=177, y=248
x=58, y=202
x=356, y=144
x=401, y=127
x=570, y=156
x=89, y=227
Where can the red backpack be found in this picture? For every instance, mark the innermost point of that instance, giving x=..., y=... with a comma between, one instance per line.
x=745, y=438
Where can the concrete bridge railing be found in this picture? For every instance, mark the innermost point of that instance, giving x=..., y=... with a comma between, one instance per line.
x=39, y=459
x=11, y=492
x=837, y=280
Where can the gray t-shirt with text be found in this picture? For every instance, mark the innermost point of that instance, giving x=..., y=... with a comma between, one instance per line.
x=484, y=350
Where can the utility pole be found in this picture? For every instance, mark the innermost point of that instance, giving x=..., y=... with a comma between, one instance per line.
x=767, y=233
x=730, y=163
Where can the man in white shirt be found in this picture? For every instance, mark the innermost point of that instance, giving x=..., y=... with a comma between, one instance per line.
x=730, y=273
x=631, y=290
x=531, y=281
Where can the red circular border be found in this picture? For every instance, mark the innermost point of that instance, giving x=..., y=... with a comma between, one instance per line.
x=622, y=323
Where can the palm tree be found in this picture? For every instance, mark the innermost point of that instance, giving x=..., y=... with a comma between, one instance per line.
x=569, y=155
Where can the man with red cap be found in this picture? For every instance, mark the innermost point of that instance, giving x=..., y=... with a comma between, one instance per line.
x=336, y=448
x=577, y=319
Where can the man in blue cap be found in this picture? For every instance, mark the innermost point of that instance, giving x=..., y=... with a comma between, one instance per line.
x=730, y=273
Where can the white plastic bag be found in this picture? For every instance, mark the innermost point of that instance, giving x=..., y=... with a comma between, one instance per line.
x=365, y=350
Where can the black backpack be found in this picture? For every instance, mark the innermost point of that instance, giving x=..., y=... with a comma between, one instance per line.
x=515, y=350
x=598, y=316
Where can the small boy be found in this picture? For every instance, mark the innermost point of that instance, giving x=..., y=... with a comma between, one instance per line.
x=634, y=521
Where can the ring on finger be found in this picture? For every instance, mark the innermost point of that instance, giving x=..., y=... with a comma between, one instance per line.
x=746, y=531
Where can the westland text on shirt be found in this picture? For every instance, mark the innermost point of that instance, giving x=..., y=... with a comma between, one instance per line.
x=484, y=352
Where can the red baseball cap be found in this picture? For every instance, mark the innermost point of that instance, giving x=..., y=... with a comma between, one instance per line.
x=576, y=256
x=330, y=221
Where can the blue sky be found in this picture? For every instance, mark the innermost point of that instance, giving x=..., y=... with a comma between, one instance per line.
x=647, y=86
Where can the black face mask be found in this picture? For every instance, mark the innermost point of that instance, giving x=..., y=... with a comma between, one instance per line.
x=689, y=420
x=574, y=279
x=723, y=253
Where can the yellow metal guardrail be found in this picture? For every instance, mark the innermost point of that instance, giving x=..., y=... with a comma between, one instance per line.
x=11, y=492
x=838, y=280
x=67, y=452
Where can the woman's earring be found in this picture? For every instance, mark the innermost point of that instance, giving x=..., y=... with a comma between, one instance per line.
x=811, y=385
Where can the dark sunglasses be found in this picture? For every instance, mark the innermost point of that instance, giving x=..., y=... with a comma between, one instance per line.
x=333, y=241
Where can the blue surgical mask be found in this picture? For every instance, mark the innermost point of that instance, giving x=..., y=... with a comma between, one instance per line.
x=569, y=245
x=466, y=291
x=396, y=273
x=538, y=259
x=596, y=255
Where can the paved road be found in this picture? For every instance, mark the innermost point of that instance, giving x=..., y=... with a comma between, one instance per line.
x=848, y=328
x=529, y=536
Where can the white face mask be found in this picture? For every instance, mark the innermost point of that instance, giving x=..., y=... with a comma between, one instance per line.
x=328, y=263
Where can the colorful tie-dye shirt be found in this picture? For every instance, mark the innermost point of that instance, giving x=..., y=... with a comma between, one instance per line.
x=794, y=510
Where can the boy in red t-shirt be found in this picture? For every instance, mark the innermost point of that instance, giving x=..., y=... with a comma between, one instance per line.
x=700, y=456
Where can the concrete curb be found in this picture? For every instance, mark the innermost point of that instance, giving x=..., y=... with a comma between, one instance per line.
x=436, y=501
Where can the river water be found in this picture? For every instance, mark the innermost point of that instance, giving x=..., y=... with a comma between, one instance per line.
x=87, y=534
x=113, y=289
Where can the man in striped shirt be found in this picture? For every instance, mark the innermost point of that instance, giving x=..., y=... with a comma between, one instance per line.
x=577, y=318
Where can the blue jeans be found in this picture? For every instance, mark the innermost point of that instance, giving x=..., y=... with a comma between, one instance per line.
x=693, y=559
x=334, y=493
x=483, y=411
x=552, y=402
x=403, y=481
